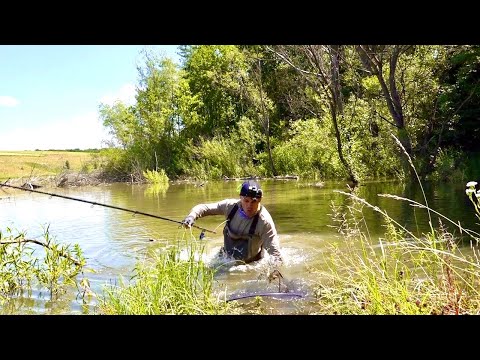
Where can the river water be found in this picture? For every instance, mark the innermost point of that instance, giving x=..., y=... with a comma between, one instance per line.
x=113, y=241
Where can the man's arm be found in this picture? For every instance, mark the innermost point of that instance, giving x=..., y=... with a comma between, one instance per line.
x=271, y=240
x=217, y=208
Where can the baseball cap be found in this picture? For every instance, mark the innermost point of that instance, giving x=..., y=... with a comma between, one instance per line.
x=251, y=189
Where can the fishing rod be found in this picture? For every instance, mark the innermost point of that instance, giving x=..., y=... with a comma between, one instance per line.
x=105, y=205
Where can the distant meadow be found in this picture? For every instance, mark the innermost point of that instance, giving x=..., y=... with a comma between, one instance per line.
x=18, y=164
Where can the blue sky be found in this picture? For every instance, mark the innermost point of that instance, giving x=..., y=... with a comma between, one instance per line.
x=50, y=94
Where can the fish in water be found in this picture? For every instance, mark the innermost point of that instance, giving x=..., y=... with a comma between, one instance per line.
x=278, y=295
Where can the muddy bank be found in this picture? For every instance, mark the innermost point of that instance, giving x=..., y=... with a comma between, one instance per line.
x=73, y=179
x=65, y=179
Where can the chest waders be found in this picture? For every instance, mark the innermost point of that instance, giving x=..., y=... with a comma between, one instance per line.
x=238, y=246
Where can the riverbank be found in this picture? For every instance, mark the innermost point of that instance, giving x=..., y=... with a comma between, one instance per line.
x=96, y=178
x=64, y=179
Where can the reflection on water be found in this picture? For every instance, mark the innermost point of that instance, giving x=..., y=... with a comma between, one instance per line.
x=156, y=190
x=113, y=240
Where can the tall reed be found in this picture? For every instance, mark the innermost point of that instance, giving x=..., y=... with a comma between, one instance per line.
x=399, y=273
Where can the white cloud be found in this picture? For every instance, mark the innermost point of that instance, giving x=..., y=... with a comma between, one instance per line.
x=82, y=132
x=126, y=94
x=8, y=101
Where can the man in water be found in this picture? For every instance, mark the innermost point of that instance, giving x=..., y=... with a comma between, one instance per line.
x=249, y=230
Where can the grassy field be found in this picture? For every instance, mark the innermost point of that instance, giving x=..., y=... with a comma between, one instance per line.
x=18, y=164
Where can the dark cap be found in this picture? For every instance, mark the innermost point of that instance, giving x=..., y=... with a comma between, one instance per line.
x=251, y=189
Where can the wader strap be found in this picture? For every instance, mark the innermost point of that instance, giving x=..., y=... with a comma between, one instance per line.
x=254, y=222
x=254, y=225
x=250, y=232
x=232, y=212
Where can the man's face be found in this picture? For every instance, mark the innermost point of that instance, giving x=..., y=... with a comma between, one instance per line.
x=250, y=205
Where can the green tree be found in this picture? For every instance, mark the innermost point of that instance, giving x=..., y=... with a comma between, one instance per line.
x=320, y=66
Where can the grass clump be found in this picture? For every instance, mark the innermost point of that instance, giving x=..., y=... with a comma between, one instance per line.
x=157, y=182
x=156, y=177
x=171, y=284
x=399, y=274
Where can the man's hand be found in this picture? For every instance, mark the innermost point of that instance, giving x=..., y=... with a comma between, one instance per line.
x=188, y=221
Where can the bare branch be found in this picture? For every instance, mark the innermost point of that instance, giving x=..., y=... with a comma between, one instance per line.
x=61, y=253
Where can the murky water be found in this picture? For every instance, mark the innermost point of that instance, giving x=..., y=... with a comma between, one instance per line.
x=113, y=240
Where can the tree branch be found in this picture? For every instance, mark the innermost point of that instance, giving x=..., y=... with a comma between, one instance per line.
x=61, y=252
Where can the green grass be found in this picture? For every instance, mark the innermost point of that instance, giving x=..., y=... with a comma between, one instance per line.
x=167, y=285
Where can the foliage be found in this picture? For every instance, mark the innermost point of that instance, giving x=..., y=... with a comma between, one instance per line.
x=368, y=148
x=156, y=177
x=460, y=98
x=115, y=163
x=215, y=74
x=449, y=166
x=54, y=268
x=471, y=161
x=227, y=95
x=158, y=182
x=149, y=132
x=309, y=152
x=219, y=158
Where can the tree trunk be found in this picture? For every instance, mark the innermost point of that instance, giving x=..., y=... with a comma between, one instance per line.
x=372, y=59
x=324, y=79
